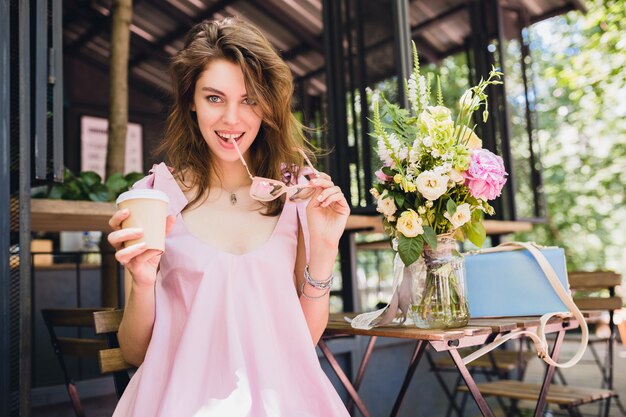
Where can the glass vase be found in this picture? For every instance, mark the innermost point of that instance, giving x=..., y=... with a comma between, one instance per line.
x=438, y=292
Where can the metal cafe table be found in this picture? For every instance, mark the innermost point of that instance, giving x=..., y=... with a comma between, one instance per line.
x=476, y=333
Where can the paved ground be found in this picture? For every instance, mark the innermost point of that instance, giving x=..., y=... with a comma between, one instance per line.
x=583, y=374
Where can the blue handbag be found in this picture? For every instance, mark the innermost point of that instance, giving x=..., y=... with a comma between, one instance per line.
x=511, y=282
x=522, y=278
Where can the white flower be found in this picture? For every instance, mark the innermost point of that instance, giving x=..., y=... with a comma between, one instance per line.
x=374, y=192
x=436, y=121
x=421, y=87
x=421, y=210
x=383, y=152
x=386, y=205
x=428, y=204
x=432, y=185
x=394, y=143
x=375, y=98
x=466, y=100
x=444, y=168
x=412, y=87
x=427, y=141
x=410, y=224
x=456, y=176
x=460, y=216
x=403, y=153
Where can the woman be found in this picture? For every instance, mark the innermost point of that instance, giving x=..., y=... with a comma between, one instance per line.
x=225, y=322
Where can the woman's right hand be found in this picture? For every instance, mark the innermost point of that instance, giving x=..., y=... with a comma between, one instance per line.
x=141, y=263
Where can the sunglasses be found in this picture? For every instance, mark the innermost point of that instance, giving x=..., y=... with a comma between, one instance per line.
x=266, y=189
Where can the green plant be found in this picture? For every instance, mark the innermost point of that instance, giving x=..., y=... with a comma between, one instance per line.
x=88, y=185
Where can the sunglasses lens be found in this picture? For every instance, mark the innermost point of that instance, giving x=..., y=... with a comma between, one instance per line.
x=265, y=190
x=301, y=193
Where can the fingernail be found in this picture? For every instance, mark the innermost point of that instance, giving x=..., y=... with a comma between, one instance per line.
x=320, y=198
x=125, y=211
x=136, y=230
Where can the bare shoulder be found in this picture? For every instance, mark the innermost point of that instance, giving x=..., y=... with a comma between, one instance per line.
x=186, y=181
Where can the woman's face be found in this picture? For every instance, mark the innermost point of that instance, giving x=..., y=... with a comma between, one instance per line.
x=224, y=110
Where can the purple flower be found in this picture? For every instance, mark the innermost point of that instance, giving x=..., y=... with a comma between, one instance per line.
x=486, y=175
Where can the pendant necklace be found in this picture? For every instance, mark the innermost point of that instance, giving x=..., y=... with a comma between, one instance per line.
x=233, y=195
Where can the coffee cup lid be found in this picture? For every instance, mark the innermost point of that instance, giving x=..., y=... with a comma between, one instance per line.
x=143, y=193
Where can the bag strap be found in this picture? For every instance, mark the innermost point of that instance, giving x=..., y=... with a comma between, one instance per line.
x=539, y=338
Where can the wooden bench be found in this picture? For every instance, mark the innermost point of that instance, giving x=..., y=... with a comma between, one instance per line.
x=566, y=397
x=497, y=362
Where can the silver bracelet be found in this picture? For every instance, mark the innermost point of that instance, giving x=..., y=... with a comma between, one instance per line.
x=320, y=285
x=308, y=297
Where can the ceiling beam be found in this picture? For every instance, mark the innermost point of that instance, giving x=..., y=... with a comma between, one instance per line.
x=141, y=84
x=168, y=9
x=97, y=25
x=289, y=23
x=415, y=30
x=178, y=32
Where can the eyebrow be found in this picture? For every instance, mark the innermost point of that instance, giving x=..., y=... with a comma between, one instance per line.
x=215, y=90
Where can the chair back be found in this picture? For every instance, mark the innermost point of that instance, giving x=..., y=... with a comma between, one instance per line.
x=82, y=347
x=111, y=358
x=586, y=286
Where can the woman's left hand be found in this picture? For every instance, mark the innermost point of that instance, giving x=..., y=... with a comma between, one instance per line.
x=327, y=211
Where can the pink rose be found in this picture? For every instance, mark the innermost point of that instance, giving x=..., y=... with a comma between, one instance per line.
x=382, y=176
x=486, y=175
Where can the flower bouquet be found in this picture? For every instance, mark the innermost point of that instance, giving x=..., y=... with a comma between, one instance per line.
x=435, y=184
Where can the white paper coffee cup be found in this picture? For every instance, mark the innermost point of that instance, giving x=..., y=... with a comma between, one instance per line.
x=148, y=211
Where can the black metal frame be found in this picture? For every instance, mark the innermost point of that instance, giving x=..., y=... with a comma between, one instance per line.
x=56, y=79
x=5, y=202
x=24, y=126
x=23, y=340
x=496, y=133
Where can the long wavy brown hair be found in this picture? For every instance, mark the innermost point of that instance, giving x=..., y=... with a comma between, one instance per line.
x=268, y=80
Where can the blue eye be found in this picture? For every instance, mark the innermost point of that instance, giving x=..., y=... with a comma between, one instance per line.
x=213, y=99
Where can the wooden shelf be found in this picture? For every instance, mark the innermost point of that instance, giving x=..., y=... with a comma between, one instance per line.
x=63, y=215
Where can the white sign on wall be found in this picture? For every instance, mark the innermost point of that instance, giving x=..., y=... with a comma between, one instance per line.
x=94, y=138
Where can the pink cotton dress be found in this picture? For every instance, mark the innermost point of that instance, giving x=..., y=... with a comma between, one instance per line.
x=230, y=338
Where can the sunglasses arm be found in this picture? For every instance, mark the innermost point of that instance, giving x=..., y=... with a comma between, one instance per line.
x=243, y=161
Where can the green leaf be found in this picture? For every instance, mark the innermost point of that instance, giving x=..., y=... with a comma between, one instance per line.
x=430, y=237
x=132, y=177
x=90, y=178
x=100, y=192
x=57, y=191
x=477, y=215
x=116, y=183
x=475, y=232
x=451, y=206
x=410, y=248
x=388, y=171
x=399, y=197
x=101, y=196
